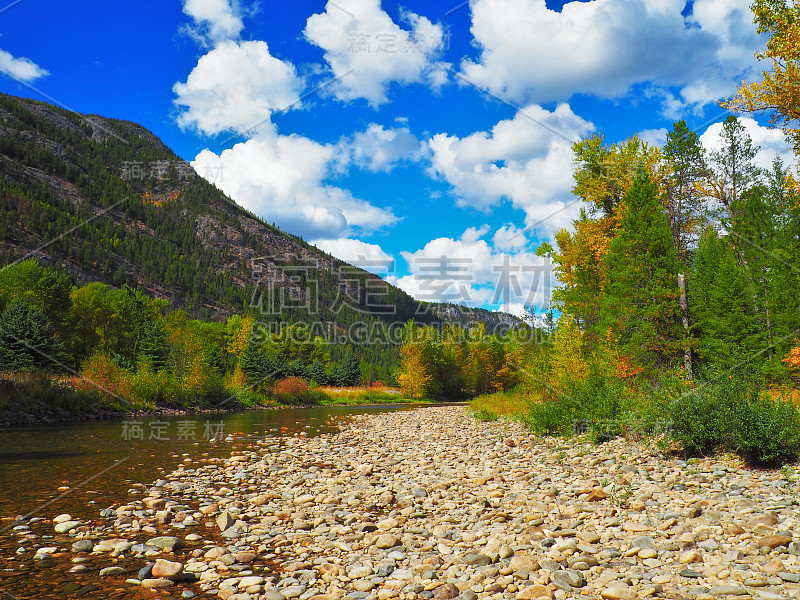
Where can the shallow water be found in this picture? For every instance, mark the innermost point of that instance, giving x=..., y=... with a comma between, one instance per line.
x=99, y=460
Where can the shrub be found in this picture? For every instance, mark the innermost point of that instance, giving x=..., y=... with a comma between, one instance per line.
x=294, y=390
x=736, y=414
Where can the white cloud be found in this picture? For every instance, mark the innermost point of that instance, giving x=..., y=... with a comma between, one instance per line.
x=509, y=237
x=530, y=53
x=772, y=142
x=357, y=35
x=282, y=179
x=468, y=271
x=380, y=149
x=654, y=137
x=527, y=160
x=235, y=87
x=21, y=68
x=216, y=20
x=369, y=257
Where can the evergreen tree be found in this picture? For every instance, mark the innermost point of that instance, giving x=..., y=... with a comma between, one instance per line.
x=254, y=363
x=722, y=306
x=640, y=303
x=27, y=339
x=351, y=368
x=687, y=168
x=316, y=373
x=153, y=345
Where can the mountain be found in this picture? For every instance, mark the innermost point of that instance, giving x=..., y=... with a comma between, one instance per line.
x=105, y=200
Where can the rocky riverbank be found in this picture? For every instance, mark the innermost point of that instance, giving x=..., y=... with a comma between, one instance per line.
x=432, y=504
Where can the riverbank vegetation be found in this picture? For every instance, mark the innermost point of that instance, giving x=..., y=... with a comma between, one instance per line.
x=70, y=347
x=679, y=311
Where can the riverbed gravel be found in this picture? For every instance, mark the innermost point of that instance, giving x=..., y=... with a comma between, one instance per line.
x=431, y=503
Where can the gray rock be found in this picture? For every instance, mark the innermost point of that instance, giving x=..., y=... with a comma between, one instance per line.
x=690, y=574
x=164, y=541
x=644, y=542
x=568, y=579
x=67, y=526
x=478, y=560
x=145, y=572
x=419, y=492
x=225, y=520
x=83, y=546
x=734, y=590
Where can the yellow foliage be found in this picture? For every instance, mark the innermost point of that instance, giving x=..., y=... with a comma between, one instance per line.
x=779, y=88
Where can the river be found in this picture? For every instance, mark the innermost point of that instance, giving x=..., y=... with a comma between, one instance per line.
x=72, y=465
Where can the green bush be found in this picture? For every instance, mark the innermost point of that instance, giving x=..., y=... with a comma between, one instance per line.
x=768, y=433
x=736, y=414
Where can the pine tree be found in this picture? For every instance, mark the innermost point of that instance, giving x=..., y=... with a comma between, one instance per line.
x=27, y=339
x=641, y=298
x=722, y=306
x=686, y=168
x=153, y=344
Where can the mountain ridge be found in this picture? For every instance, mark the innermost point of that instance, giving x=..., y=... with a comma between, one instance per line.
x=135, y=213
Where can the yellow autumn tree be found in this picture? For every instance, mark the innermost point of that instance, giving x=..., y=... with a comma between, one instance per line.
x=779, y=88
x=414, y=376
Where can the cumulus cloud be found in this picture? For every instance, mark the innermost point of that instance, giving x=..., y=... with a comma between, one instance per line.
x=281, y=178
x=20, y=68
x=529, y=53
x=509, y=237
x=526, y=160
x=469, y=271
x=357, y=36
x=771, y=142
x=380, y=149
x=370, y=257
x=235, y=87
x=215, y=20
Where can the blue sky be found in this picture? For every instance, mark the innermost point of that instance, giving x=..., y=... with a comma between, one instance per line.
x=421, y=140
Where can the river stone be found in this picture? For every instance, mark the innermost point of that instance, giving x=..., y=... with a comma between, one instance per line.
x=142, y=548
x=523, y=564
x=82, y=546
x=145, y=572
x=618, y=592
x=108, y=571
x=468, y=595
x=532, y=592
x=157, y=584
x=734, y=590
x=164, y=542
x=167, y=569
x=225, y=520
x=446, y=591
x=568, y=579
x=478, y=560
x=774, y=541
x=67, y=526
x=246, y=582
x=274, y=596
x=386, y=541
x=363, y=585
x=63, y=518
x=293, y=591
x=419, y=492
x=644, y=542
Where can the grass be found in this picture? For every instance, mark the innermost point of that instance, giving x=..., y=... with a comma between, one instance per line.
x=491, y=407
x=354, y=396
